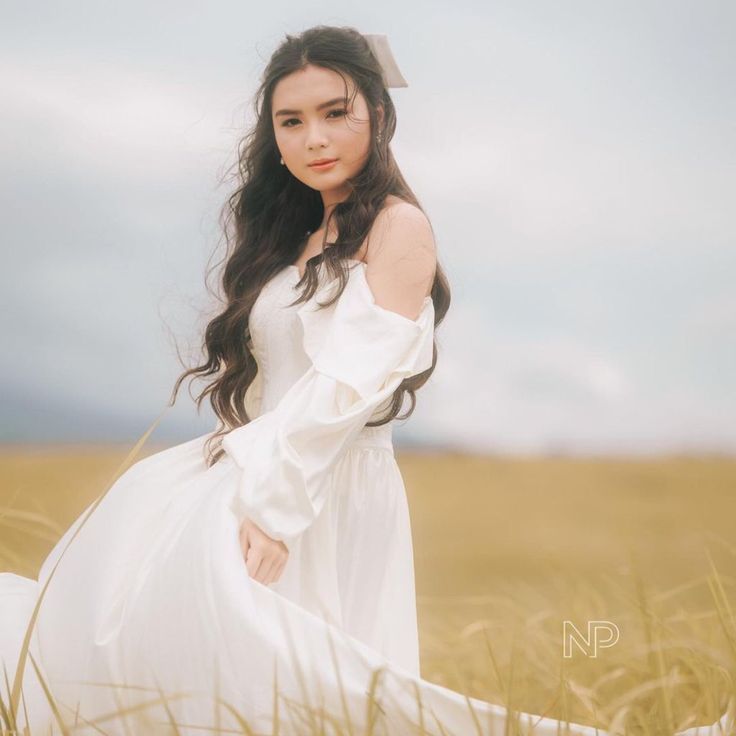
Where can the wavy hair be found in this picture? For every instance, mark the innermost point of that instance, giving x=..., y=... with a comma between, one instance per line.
x=267, y=220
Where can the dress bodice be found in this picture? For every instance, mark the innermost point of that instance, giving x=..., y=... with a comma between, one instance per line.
x=276, y=335
x=277, y=338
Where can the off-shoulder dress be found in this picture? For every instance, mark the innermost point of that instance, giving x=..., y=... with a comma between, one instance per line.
x=150, y=593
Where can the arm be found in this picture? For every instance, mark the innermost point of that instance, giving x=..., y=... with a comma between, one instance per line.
x=360, y=351
x=401, y=259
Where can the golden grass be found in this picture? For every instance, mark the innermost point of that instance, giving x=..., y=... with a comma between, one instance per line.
x=506, y=550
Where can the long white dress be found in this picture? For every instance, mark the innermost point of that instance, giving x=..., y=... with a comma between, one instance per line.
x=150, y=594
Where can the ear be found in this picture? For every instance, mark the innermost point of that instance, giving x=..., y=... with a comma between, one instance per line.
x=379, y=113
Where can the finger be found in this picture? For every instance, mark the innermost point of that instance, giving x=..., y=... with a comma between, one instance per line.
x=253, y=561
x=244, y=541
x=270, y=574
x=259, y=573
x=278, y=570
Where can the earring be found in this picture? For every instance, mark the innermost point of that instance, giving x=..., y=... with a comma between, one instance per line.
x=282, y=161
x=378, y=138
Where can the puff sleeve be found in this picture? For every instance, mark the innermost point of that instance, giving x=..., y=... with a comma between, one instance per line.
x=359, y=353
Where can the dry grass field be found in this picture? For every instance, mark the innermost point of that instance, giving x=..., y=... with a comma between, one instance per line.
x=506, y=550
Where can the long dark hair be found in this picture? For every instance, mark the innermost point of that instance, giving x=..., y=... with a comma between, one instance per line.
x=268, y=218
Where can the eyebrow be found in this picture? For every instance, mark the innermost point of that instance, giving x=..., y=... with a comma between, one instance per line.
x=319, y=107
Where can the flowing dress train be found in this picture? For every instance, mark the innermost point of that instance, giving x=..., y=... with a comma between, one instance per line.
x=151, y=596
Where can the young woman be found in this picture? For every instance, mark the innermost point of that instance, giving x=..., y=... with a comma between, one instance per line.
x=269, y=564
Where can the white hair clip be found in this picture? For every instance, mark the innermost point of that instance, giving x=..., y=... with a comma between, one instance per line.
x=392, y=77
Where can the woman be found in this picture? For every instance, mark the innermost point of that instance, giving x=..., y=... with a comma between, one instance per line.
x=268, y=565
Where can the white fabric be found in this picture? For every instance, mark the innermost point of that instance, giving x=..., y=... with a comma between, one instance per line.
x=325, y=409
x=153, y=590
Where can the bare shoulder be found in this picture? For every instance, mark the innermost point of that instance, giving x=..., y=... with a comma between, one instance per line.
x=401, y=232
x=401, y=258
x=397, y=210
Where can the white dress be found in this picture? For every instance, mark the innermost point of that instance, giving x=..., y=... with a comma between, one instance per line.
x=151, y=592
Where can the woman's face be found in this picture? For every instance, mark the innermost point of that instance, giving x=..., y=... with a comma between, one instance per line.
x=307, y=129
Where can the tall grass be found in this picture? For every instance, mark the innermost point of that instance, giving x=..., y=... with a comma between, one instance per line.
x=491, y=606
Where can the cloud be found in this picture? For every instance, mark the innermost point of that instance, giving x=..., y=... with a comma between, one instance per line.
x=575, y=165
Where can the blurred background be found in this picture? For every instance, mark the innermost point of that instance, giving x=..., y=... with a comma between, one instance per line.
x=572, y=456
x=577, y=161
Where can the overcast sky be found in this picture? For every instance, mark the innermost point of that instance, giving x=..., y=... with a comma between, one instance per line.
x=577, y=160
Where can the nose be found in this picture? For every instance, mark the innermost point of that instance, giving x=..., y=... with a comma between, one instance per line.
x=316, y=136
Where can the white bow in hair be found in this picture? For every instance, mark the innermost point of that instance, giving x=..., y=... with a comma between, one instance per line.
x=378, y=42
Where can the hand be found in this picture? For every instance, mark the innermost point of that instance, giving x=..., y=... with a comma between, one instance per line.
x=264, y=557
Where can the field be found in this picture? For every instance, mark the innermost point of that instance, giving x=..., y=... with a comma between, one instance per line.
x=506, y=550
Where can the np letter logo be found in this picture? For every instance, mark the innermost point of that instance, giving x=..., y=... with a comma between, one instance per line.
x=601, y=634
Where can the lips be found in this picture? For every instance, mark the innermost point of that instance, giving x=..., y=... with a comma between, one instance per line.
x=322, y=161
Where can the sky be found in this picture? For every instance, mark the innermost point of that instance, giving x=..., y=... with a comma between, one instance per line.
x=577, y=161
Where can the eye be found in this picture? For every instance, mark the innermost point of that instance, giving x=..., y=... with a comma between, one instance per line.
x=285, y=124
